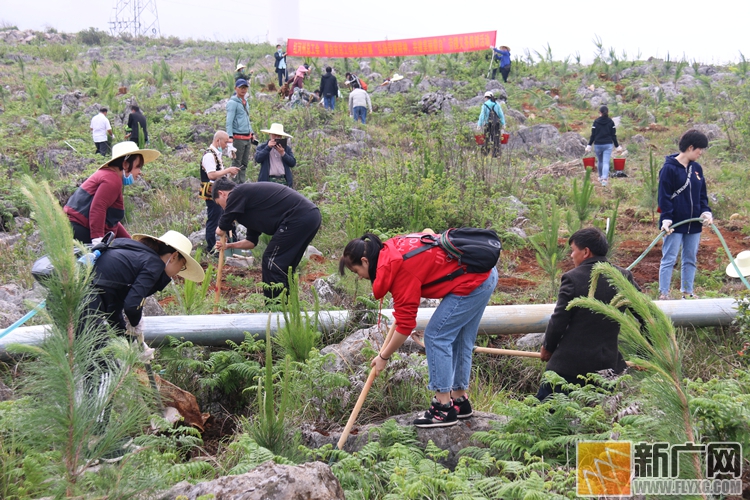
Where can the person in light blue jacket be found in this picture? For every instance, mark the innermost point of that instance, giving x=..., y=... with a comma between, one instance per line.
x=240, y=130
x=492, y=119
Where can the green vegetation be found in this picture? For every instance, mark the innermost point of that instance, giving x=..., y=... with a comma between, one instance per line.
x=404, y=171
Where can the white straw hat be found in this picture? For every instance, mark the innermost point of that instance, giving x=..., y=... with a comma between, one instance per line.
x=743, y=263
x=128, y=148
x=278, y=129
x=239, y=67
x=179, y=242
x=396, y=77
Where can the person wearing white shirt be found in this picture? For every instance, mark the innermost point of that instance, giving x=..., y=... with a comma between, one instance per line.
x=100, y=130
x=213, y=168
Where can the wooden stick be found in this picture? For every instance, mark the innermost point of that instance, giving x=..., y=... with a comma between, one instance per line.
x=362, y=396
x=218, y=273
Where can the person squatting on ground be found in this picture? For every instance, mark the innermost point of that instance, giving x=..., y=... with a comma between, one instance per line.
x=100, y=131
x=682, y=196
x=299, y=77
x=359, y=103
x=329, y=89
x=137, y=126
x=97, y=206
x=212, y=168
x=280, y=64
x=451, y=332
x=492, y=121
x=239, y=128
x=275, y=157
x=579, y=341
x=604, y=138
x=268, y=208
x=502, y=56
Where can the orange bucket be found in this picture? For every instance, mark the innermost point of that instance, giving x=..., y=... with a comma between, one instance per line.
x=619, y=164
x=479, y=138
x=505, y=138
x=589, y=162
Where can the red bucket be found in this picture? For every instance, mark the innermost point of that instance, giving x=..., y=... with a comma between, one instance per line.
x=505, y=138
x=589, y=162
x=479, y=138
x=619, y=164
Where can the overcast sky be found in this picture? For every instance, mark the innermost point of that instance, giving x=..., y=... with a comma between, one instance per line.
x=706, y=31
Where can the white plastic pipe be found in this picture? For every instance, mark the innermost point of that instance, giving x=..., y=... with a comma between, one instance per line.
x=216, y=329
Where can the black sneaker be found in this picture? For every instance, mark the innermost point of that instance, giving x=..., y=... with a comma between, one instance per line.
x=463, y=407
x=439, y=415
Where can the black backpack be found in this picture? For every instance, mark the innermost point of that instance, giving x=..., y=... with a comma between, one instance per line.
x=476, y=250
x=494, y=118
x=42, y=268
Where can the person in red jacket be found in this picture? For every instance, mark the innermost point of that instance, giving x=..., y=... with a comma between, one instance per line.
x=97, y=206
x=451, y=332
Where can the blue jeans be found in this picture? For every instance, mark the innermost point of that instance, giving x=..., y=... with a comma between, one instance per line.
x=669, y=250
x=360, y=111
x=603, y=153
x=450, y=335
x=329, y=102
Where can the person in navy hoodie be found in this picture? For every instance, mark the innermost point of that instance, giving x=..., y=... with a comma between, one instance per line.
x=682, y=196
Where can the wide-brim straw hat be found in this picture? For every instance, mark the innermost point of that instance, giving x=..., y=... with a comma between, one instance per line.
x=239, y=67
x=743, y=263
x=179, y=242
x=396, y=77
x=130, y=148
x=278, y=129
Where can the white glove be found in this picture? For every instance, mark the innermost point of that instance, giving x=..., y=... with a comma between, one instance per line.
x=96, y=241
x=665, y=226
x=147, y=354
x=708, y=218
x=619, y=149
x=135, y=331
x=588, y=149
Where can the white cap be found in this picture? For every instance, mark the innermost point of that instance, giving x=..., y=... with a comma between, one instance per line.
x=489, y=94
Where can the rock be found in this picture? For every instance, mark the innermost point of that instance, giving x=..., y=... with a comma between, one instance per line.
x=711, y=130
x=202, y=133
x=347, y=151
x=515, y=114
x=152, y=307
x=62, y=161
x=399, y=87
x=514, y=204
x=364, y=67
x=531, y=340
x=192, y=184
x=433, y=102
x=240, y=261
x=71, y=102
x=360, y=135
x=198, y=238
x=46, y=122
x=497, y=90
x=638, y=139
x=441, y=83
x=572, y=145
x=219, y=107
x=6, y=393
x=324, y=289
x=349, y=351
x=310, y=251
x=543, y=134
x=518, y=232
x=596, y=97
x=269, y=481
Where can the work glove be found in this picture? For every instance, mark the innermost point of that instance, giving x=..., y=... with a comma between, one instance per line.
x=708, y=218
x=148, y=353
x=665, y=226
x=619, y=149
x=96, y=241
x=588, y=149
x=135, y=331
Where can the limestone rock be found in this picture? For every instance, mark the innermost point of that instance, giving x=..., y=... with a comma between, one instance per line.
x=269, y=481
x=433, y=102
x=349, y=351
x=531, y=340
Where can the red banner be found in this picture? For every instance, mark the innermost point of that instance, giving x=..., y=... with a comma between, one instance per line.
x=467, y=42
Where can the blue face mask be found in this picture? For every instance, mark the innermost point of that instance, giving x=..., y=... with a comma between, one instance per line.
x=127, y=181
x=220, y=150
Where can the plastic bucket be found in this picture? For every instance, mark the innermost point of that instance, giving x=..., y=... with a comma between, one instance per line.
x=589, y=162
x=619, y=163
x=479, y=138
x=505, y=138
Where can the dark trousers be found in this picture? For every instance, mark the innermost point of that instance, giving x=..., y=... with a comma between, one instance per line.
x=492, y=139
x=287, y=247
x=282, y=75
x=213, y=214
x=505, y=71
x=241, y=158
x=102, y=148
x=546, y=389
x=81, y=233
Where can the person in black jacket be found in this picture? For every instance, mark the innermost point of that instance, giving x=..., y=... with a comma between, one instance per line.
x=579, y=341
x=136, y=124
x=268, y=208
x=129, y=271
x=329, y=89
x=604, y=139
x=275, y=157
